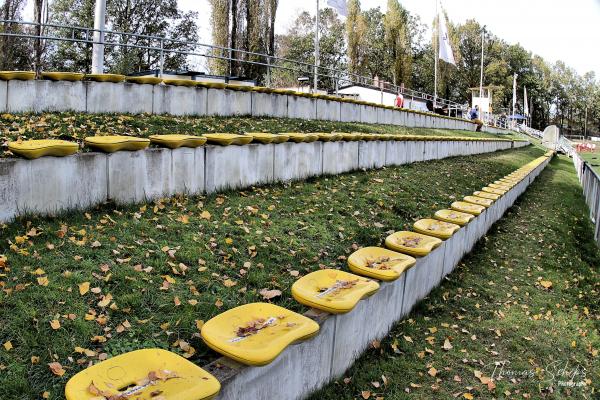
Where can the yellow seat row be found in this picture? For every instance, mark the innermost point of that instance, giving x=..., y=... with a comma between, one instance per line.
x=256, y=333
x=59, y=148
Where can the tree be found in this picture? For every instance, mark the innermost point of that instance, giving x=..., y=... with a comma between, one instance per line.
x=142, y=17
x=15, y=51
x=398, y=42
x=356, y=33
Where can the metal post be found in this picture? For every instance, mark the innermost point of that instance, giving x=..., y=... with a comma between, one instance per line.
x=98, y=46
x=481, y=79
x=436, y=52
x=268, y=71
x=585, y=124
x=162, y=57
x=317, y=55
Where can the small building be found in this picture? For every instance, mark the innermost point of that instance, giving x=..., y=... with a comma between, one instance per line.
x=198, y=76
x=483, y=100
x=380, y=96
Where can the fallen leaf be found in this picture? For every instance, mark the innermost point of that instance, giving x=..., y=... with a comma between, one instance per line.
x=8, y=346
x=55, y=324
x=269, y=294
x=447, y=345
x=56, y=369
x=84, y=288
x=546, y=284
x=365, y=394
x=432, y=371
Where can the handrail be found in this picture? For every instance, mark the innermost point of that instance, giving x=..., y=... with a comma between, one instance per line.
x=86, y=36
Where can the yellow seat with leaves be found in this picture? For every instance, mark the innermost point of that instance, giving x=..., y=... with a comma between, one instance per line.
x=499, y=186
x=487, y=195
x=177, y=141
x=144, y=80
x=331, y=290
x=379, y=263
x=412, y=243
x=435, y=228
x=114, y=78
x=298, y=137
x=480, y=201
x=262, y=137
x=143, y=374
x=225, y=139
x=113, y=143
x=17, y=75
x=454, y=217
x=494, y=191
x=256, y=333
x=32, y=149
x=281, y=138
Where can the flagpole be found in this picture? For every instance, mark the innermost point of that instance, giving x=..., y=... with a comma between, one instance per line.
x=436, y=54
x=317, y=55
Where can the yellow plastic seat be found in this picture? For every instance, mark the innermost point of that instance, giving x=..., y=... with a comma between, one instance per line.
x=211, y=85
x=181, y=82
x=240, y=88
x=331, y=290
x=255, y=334
x=144, y=80
x=497, y=186
x=32, y=149
x=114, y=78
x=412, y=243
x=110, y=144
x=494, y=191
x=480, y=201
x=433, y=227
x=499, y=182
x=487, y=195
x=281, y=138
x=225, y=139
x=17, y=75
x=379, y=263
x=454, y=217
x=63, y=76
x=261, y=137
x=176, y=141
x=142, y=374
x=328, y=137
x=297, y=137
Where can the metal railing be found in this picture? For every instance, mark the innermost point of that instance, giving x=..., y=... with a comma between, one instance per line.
x=163, y=46
x=530, y=131
x=590, y=181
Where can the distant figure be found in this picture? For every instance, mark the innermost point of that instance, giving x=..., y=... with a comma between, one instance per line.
x=399, y=101
x=429, y=105
x=474, y=116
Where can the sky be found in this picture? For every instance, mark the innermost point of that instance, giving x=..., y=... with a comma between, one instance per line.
x=554, y=29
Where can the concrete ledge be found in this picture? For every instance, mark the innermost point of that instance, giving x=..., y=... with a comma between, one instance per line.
x=372, y=155
x=132, y=177
x=340, y=157
x=349, y=112
x=301, y=107
x=327, y=110
x=224, y=102
x=3, y=96
x=179, y=100
x=307, y=366
x=130, y=98
x=268, y=105
x=235, y=167
x=38, y=96
x=368, y=114
x=295, y=161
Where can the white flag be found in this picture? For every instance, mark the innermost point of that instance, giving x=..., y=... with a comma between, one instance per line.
x=340, y=6
x=446, y=53
x=525, y=103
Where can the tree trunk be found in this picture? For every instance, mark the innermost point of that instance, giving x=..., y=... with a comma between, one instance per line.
x=38, y=6
x=233, y=35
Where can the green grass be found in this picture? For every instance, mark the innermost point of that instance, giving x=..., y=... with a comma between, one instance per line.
x=493, y=309
x=74, y=127
x=260, y=238
x=593, y=160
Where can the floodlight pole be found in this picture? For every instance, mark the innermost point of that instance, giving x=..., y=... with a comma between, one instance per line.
x=98, y=46
x=317, y=55
x=436, y=53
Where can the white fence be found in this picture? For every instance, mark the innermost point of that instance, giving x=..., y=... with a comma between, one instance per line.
x=590, y=181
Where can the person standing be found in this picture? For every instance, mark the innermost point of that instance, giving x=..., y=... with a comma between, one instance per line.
x=474, y=116
x=399, y=102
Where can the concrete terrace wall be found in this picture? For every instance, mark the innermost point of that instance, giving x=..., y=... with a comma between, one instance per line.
x=307, y=366
x=49, y=185
x=105, y=97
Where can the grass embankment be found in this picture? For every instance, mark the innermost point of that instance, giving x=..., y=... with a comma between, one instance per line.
x=593, y=158
x=88, y=285
x=523, y=308
x=76, y=126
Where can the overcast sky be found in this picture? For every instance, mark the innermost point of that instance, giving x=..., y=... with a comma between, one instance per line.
x=553, y=29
